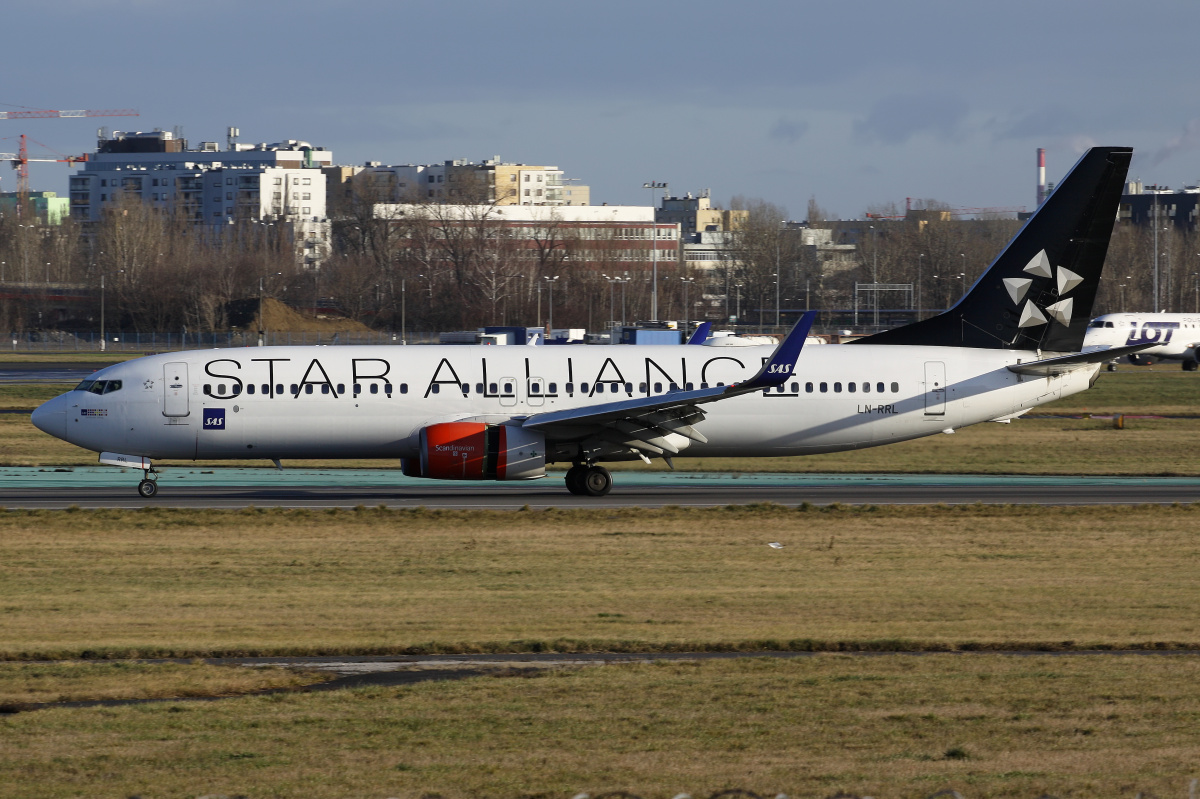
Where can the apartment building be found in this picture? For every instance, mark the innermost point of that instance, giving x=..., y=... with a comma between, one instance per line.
x=459, y=181
x=280, y=183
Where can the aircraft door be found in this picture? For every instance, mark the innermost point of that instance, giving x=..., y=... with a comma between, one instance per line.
x=935, y=388
x=508, y=392
x=175, y=389
x=536, y=394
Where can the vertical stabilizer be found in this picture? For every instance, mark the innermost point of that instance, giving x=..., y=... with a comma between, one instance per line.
x=1038, y=293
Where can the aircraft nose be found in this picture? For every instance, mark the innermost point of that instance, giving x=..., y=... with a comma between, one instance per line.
x=51, y=417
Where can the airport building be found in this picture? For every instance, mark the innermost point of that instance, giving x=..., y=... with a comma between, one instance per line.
x=1143, y=205
x=280, y=183
x=616, y=238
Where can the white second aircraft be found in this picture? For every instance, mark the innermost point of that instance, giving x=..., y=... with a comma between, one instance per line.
x=1167, y=336
x=503, y=413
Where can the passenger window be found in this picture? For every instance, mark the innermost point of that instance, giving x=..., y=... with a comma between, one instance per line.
x=851, y=387
x=866, y=388
x=466, y=389
x=508, y=388
x=642, y=388
x=570, y=388
x=687, y=386
x=554, y=388
x=808, y=387
x=583, y=387
x=100, y=388
x=895, y=388
x=479, y=388
x=879, y=387
x=599, y=388
x=629, y=388
x=374, y=387
x=492, y=388
x=674, y=386
x=824, y=388
x=535, y=388
x=341, y=388
x=658, y=388
x=704, y=385
x=279, y=389
x=220, y=389
x=436, y=388
x=237, y=390
x=250, y=388
x=795, y=388
x=308, y=389
x=295, y=390
x=837, y=388
x=324, y=388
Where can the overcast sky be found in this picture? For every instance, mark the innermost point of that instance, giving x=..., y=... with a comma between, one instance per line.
x=855, y=104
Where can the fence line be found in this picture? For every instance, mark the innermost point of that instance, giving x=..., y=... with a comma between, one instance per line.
x=134, y=341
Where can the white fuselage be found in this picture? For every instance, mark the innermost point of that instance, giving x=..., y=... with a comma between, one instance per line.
x=372, y=402
x=1175, y=335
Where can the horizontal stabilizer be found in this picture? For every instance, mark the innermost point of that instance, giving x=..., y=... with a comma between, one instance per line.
x=1069, y=363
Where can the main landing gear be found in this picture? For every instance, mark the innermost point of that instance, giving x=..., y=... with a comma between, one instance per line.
x=148, y=488
x=588, y=481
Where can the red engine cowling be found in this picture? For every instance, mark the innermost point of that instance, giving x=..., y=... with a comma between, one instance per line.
x=477, y=451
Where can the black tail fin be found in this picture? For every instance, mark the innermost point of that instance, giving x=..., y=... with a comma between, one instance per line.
x=1038, y=293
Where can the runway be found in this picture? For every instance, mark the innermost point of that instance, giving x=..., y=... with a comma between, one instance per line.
x=234, y=488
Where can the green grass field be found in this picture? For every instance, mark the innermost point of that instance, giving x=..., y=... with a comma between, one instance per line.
x=118, y=583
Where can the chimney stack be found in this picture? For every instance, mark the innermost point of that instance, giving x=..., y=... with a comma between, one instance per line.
x=1041, y=189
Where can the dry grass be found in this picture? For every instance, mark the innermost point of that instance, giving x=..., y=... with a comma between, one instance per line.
x=75, y=681
x=986, y=725
x=188, y=583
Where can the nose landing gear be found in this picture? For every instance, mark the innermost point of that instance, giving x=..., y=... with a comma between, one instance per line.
x=148, y=488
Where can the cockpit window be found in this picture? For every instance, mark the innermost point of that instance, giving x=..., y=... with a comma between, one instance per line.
x=99, y=386
x=1097, y=323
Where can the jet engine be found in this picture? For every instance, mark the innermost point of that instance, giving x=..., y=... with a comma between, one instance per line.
x=478, y=451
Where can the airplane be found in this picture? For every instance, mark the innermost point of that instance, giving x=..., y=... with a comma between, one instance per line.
x=1173, y=336
x=1011, y=343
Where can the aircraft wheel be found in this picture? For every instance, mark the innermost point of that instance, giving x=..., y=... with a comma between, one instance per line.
x=575, y=477
x=148, y=488
x=1112, y=367
x=1189, y=366
x=597, y=481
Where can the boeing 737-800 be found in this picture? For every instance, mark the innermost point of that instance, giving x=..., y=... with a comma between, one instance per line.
x=503, y=413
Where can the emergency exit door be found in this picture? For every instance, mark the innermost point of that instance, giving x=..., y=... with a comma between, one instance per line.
x=175, y=389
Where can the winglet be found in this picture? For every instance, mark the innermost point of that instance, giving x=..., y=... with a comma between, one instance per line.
x=782, y=363
x=700, y=334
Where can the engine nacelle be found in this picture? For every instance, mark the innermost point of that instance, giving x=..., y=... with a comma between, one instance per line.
x=478, y=451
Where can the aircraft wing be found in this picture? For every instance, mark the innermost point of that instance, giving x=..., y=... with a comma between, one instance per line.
x=643, y=423
x=1068, y=363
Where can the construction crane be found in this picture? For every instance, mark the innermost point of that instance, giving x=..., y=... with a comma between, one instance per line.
x=20, y=160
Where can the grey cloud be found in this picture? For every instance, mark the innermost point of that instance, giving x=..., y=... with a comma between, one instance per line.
x=788, y=130
x=895, y=120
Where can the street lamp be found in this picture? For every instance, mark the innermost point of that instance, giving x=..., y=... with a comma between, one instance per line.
x=920, y=261
x=687, y=281
x=653, y=186
x=550, y=281
x=875, y=272
x=963, y=255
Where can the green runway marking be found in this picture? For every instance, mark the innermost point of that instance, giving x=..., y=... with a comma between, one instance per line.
x=99, y=477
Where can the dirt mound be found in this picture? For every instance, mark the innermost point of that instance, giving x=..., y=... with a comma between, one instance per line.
x=280, y=318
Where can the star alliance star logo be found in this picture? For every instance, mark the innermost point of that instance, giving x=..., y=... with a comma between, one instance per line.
x=1031, y=315
x=149, y=384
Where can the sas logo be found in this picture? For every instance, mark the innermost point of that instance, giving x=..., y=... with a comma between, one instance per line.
x=214, y=418
x=779, y=369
